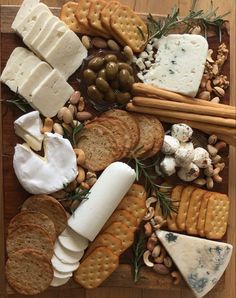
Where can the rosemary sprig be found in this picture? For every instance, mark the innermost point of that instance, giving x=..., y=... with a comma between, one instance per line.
x=138, y=250
x=71, y=136
x=19, y=101
x=158, y=28
x=78, y=194
x=141, y=33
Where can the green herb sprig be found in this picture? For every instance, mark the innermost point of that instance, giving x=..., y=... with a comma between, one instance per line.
x=20, y=102
x=138, y=250
x=71, y=136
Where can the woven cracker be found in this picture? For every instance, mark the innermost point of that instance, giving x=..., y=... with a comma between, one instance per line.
x=122, y=232
x=175, y=198
x=67, y=15
x=137, y=190
x=125, y=22
x=96, y=268
x=49, y=206
x=29, y=272
x=35, y=218
x=29, y=236
x=183, y=207
x=193, y=211
x=123, y=216
x=105, y=240
x=99, y=146
x=94, y=17
x=107, y=12
x=202, y=214
x=135, y=205
x=216, y=216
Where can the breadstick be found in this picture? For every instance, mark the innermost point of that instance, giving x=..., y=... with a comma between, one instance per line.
x=184, y=107
x=150, y=91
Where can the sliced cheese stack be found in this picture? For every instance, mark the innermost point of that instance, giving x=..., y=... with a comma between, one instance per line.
x=43, y=87
x=49, y=38
x=201, y=262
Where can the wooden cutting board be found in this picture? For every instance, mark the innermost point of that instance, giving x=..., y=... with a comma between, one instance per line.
x=121, y=278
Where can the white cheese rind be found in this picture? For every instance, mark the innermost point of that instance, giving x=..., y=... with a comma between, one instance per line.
x=179, y=63
x=46, y=174
x=201, y=262
x=105, y=195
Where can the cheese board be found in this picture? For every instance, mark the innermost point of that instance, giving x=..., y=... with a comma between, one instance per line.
x=122, y=276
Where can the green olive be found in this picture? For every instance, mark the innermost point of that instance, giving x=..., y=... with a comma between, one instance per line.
x=123, y=65
x=102, y=85
x=102, y=74
x=123, y=97
x=110, y=58
x=111, y=70
x=96, y=63
x=94, y=93
x=123, y=76
x=89, y=76
x=127, y=85
x=110, y=95
x=115, y=84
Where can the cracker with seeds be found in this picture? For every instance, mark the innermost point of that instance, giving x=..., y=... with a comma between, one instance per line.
x=96, y=268
x=202, y=214
x=175, y=198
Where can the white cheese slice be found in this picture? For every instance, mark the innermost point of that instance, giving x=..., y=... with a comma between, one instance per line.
x=37, y=28
x=73, y=241
x=62, y=267
x=201, y=262
x=51, y=94
x=57, y=282
x=67, y=54
x=91, y=215
x=37, y=75
x=25, y=9
x=28, y=128
x=46, y=174
x=65, y=255
x=61, y=274
x=28, y=22
x=179, y=63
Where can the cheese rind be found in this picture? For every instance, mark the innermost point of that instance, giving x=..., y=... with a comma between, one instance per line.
x=201, y=262
x=179, y=63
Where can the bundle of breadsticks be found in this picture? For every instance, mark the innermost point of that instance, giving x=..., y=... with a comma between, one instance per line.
x=170, y=107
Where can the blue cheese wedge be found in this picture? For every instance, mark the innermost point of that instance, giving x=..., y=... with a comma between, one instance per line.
x=201, y=262
x=179, y=63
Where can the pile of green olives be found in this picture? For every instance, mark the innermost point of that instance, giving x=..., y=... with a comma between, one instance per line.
x=108, y=80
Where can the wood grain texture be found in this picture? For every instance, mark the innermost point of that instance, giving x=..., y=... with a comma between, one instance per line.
x=160, y=7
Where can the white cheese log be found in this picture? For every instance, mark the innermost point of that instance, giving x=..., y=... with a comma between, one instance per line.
x=179, y=63
x=59, y=281
x=105, y=195
x=65, y=255
x=62, y=267
x=72, y=241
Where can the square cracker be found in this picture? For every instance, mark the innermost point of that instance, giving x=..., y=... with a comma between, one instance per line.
x=123, y=216
x=216, y=216
x=202, y=214
x=96, y=268
x=175, y=198
x=125, y=23
x=193, y=211
x=107, y=12
x=183, y=207
x=137, y=190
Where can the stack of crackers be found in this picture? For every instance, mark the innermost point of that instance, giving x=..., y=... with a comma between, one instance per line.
x=107, y=19
x=117, y=134
x=199, y=212
x=102, y=257
x=30, y=243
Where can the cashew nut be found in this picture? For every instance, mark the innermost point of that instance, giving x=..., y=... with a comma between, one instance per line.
x=200, y=181
x=149, y=214
x=48, y=125
x=210, y=183
x=216, y=171
x=156, y=251
x=148, y=229
x=150, y=200
x=81, y=104
x=160, y=258
x=81, y=175
x=221, y=166
x=176, y=277
x=151, y=243
x=80, y=156
x=146, y=260
x=168, y=262
x=208, y=171
x=91, y=178
x=212, y=150
x=216, y=159
x=217, y=178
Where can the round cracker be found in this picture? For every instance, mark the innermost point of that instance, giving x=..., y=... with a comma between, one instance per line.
x=49, y=206
x=29, y=272
x=35, y=218
x=29, y=236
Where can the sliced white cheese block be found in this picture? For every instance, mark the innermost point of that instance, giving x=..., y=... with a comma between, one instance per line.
x=61, y=274
x=105, y=195
x=201, y=262
x=67, y=54
x=46, y=174
x=37, y=28
x=28, y=128
x=73, y=241
x=65, y=255
x=25, y=9
x=62, y=267
x=28, y=22
x=179, y=63
x=37, y=75
x=51, y=94
x=57, y=282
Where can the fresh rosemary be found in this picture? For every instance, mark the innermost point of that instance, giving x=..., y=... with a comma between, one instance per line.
x=158, y=28
x=71, y=136
x=19, y=101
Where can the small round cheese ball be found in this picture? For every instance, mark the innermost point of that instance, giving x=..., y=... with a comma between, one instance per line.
x=168, y=165
x=184, y=155
x=201, y=158
x=182, y=132
x=189, y=173
x=170, y=145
